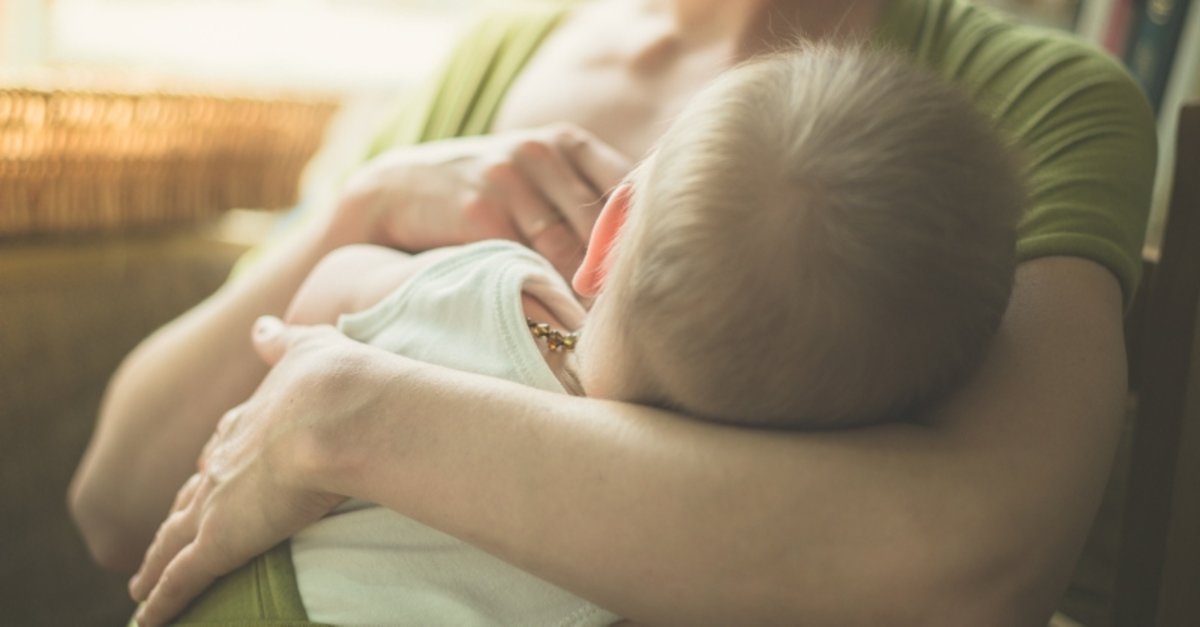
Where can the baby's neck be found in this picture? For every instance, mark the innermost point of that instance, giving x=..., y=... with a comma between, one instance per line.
x=563, y=363
x=565, y=366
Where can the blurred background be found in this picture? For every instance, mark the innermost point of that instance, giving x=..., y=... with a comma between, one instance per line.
x=357, y=53
x=146, y=144
x=340, y=45
x=140, y=141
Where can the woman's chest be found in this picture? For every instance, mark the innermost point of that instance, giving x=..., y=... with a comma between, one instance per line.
x=624, y=90
x=602, y=102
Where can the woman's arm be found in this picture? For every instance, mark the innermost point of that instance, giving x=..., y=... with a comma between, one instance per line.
x=973, y=517
x=163, y=402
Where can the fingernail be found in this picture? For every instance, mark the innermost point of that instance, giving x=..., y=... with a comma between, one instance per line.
x=267, y=327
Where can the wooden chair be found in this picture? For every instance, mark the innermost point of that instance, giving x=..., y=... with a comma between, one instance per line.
x=1158, y=563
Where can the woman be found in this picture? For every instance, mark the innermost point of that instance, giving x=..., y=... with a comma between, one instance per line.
x=972, y=514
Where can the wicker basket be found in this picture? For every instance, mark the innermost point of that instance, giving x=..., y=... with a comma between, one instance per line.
x=76, y=161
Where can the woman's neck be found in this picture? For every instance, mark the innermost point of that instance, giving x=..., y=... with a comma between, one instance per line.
x=753, y=26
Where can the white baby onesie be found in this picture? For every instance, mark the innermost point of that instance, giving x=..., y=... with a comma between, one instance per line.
x=364, y=564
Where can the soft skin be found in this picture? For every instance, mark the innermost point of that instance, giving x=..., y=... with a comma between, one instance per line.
x=973, y=516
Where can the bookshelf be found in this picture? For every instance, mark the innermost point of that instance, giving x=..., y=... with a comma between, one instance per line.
x=1159, y=41
x=1182, y=85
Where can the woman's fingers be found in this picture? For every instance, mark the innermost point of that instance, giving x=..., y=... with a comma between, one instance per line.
x=572, y=197
x=525, y=185
x=223, y=427
x=509, y=185
x=557, y=190
x=176, y=532
x=269, y=338
x=247, y=497
x=187, y=492
x=273, y=339
x=541, y=224
x=560, y=246
x=542, y=186
x=574, y=170
x=183, y=580
x=603, y=166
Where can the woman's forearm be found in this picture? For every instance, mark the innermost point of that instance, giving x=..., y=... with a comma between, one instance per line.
x=666, y=520
x=163, y=402
x=972, y=518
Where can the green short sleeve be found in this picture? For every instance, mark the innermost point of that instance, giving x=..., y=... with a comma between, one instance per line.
x=464, y=97
x=1081, y=127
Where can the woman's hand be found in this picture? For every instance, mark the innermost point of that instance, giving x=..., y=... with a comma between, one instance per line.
x=543, y=187
x=255, y=485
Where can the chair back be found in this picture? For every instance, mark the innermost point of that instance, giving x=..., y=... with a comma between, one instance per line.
x=1158, y=561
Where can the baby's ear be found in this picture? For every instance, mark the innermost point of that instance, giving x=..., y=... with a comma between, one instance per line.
x=589, y=279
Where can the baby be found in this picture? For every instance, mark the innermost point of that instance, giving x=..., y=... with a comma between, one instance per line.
x=823, y=239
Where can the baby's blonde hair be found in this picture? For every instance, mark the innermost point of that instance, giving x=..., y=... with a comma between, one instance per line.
x=824, y=237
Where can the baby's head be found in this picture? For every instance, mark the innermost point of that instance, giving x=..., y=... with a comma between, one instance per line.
x=823, y=238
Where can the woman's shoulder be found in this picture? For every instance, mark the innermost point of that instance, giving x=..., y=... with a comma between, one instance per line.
x=1081, y=125
x=996, y=58
x=1034, y=82
x=463, y=96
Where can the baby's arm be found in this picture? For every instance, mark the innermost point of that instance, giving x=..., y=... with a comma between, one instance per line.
x=353, y=278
